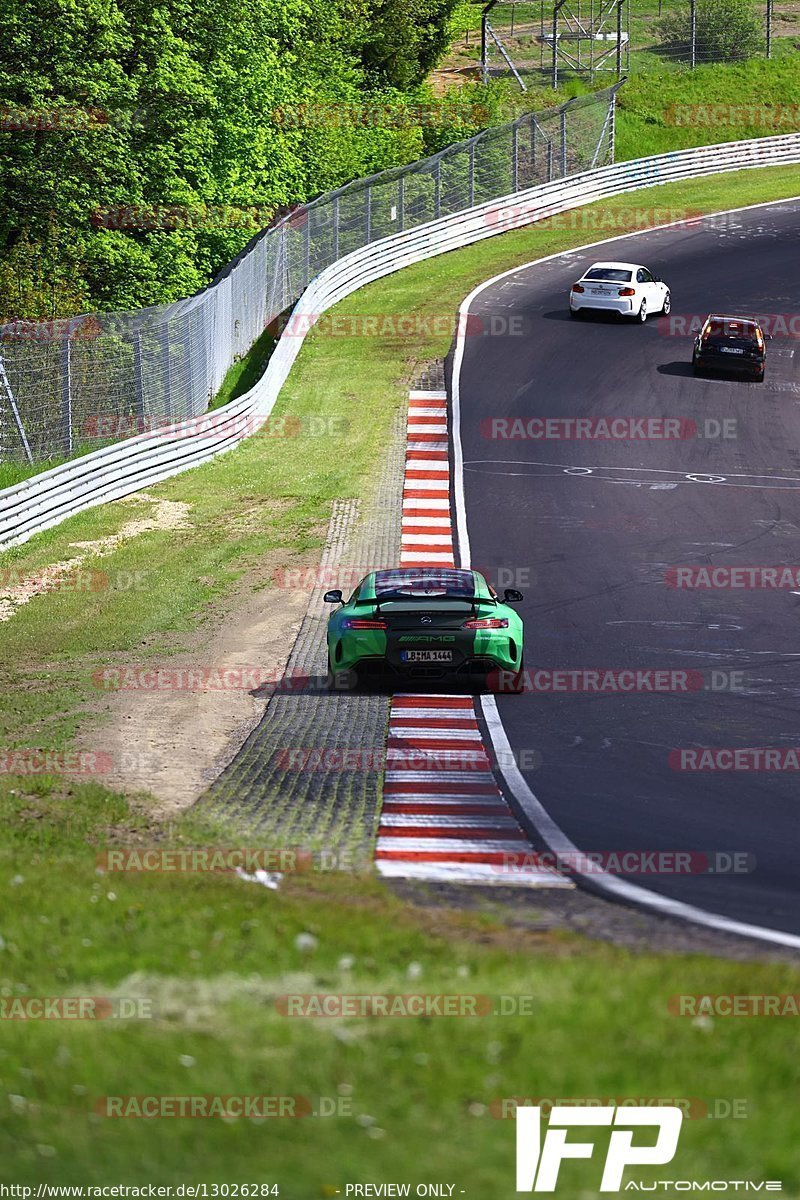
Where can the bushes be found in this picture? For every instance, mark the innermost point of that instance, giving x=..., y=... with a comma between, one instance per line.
x=726, y=30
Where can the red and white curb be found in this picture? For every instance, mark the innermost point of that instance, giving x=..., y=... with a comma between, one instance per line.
x=443, y=816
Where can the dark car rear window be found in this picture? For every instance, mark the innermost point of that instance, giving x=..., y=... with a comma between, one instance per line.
x=612, y=274
x=732, y=333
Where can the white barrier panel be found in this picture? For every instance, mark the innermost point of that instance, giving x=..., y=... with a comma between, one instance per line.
x=115, y=471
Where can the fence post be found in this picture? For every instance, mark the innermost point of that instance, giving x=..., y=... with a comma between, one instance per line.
x=437, y=197
x=66, y=390
x=693, y=22
x=368, y=213
x=619, y=38
x=165, y=358
x=559, y=4
x=515, y=159
x=138, y=380
x=401, y=200
x=549, y=160
x=6, y=385
x=533, y=146
x=485, y=42
x=769, y=28
x=335, y=216
x=307, y=251
x=563, y=116
x=471, y=173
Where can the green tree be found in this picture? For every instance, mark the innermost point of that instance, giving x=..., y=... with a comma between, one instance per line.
x=114, y=113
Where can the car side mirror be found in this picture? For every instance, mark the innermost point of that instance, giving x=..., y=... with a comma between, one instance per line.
x=334, y=597
x=512, y=596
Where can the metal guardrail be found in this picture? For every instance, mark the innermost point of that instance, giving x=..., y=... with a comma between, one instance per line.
x=45, y=500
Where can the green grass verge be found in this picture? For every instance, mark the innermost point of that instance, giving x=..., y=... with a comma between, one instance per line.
x=416, y=1099
x=667, y=108
x=212, y=952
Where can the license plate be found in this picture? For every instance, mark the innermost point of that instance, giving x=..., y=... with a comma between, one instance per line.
x=427, y=656
x=601, y=292
x=731, y=350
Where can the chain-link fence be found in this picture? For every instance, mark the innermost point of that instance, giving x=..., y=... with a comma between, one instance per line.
x=76, y=384
x=548, y=41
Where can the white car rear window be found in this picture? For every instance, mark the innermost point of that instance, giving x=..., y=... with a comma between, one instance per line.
x=612, y=274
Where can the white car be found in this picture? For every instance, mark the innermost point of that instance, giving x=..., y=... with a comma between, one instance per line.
x=625, y=288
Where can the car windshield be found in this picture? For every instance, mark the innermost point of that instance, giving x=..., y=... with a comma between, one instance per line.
x=426, y=584
x=612, y=274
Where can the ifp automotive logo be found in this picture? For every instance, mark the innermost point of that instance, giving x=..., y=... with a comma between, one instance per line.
x=538, y=1161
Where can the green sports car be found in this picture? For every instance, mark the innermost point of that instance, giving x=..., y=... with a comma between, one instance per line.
x=426, y=623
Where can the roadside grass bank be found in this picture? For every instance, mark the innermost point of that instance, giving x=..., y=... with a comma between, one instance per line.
x=268, y=501
x=203, y=960
x=672, y=108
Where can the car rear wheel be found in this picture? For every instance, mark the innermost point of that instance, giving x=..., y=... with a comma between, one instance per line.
x=506, y=683
x=342, y=681
x=667, y=305
x=643, y=312
x=760, y=376
x=575, y=313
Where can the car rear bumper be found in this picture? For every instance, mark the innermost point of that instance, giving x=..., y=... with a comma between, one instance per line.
x=622, y=305
x=730, y=363
x=467, y=670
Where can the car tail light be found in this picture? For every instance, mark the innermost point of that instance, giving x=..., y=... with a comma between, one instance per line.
x=576, y=287
x=362, y=623
x=627, y=291
x=759, y=339
x=486, y=623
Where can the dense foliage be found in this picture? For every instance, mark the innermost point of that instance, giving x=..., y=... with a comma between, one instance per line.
x=142, y=143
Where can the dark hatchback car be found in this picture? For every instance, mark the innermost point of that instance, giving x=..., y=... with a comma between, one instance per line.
x=731, y=344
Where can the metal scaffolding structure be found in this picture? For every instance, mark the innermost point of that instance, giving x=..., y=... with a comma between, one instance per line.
x=588, y=36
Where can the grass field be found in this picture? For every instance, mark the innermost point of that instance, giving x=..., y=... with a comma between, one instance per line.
x=415, y=1098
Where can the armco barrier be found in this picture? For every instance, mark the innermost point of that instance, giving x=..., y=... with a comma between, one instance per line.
x=46, y=499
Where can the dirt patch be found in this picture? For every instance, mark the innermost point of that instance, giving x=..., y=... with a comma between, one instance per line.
x=172, y=741
x=164, y=514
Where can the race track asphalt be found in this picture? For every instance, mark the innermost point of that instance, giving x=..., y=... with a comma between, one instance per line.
x=588, y=529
